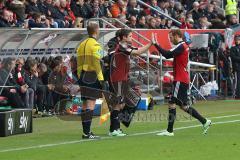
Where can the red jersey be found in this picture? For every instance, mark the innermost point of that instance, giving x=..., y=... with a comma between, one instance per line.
x=180, y=55
x=120, y=63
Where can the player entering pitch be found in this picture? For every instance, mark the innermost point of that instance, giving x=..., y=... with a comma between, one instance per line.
x=180, y=54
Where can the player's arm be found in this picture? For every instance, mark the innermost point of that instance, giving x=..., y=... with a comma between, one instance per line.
x=167, y=53
x=141, y=50
x=170, y=53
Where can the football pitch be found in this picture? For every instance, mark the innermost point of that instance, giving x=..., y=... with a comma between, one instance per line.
x=53, y=138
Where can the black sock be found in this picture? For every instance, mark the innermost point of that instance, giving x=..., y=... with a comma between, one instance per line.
x=86, y=117
x=115, y=123
x=193, y=112
x=171, y=119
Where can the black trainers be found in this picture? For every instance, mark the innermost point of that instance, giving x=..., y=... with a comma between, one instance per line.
x=90, y=136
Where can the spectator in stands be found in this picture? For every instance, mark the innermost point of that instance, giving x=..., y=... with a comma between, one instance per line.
x=141, y=22
x=5, y=18
x=209, y=13
x=42, y=7
x=59, y=90
x=195, y=11
x=171, y=9
x=203, y=23
x=178, y=9
x=26, y=93
x=168, y=24
x=163, y=7
x=121, y=18
x=37, y=21
x=152, y=23
x=232, y=20
x=185, y=23
x=119, y=8
x=158, y=22
x=105, y=8
x=162, y=22
x=155, y=5
x=33, y=82
x=132, y=22
x=6, y=79
x=80, y=9
x=78, y=22
x=32, y=7
x=133, y=9
x=67, y=12
x=96, y=10
x=188, y=4
x=18, y=7
x=2, y=5
x=51, y=10
x=43, y=74
x=218, y=23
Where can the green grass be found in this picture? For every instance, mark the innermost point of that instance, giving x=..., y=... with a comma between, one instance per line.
x=222, y=142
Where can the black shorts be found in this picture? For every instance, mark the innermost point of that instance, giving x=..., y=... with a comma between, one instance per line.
x=118, y=89
x=90, y=87
x=128, y=95
x=179, y=94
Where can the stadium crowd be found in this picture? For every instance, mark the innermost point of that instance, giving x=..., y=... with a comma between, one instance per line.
x=196, y=14
x=37, y=83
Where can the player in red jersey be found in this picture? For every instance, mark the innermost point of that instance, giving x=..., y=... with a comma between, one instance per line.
x=180, y=55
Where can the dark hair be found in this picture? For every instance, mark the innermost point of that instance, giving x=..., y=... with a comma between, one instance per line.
x=35, y=16
x=124, y=33
x=92, y=28
x=55, y=63
x=44, y=60
x=175, y=32
x=118, y=33
x=29, y=64
x=7, y=61
x=60, y=58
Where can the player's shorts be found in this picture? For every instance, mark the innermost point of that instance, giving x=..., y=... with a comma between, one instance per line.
x=128, y=95
x=179, y=94
x=119, y=89
x=90, y=87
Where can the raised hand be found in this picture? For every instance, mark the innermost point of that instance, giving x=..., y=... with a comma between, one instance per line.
x=154, y=38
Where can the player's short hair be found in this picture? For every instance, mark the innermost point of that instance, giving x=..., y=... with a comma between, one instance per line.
x=124, y=33
x=92, y=28
x=177, y=32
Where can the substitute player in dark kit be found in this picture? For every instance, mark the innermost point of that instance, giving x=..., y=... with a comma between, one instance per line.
x=180, y=55
x=119, y=72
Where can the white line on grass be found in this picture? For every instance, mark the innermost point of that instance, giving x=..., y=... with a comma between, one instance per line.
x=218, y=117
x=81, y=141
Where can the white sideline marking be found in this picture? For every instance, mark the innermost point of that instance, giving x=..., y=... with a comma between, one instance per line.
x=81, y=141
x=218, y=117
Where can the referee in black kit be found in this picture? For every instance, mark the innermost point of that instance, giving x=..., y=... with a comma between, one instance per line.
x=91, y=80
x=180, y=55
